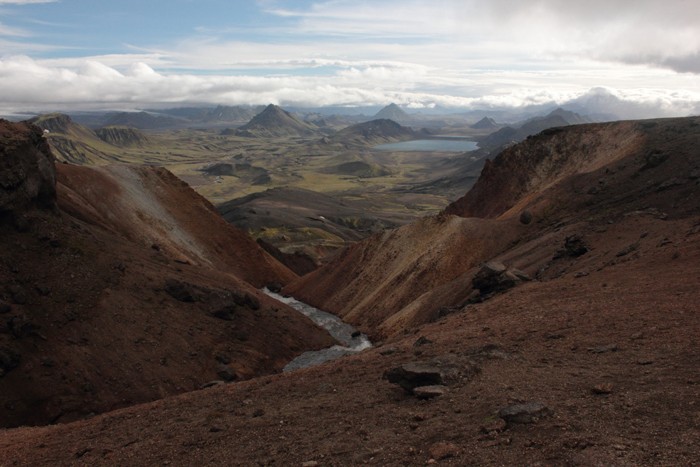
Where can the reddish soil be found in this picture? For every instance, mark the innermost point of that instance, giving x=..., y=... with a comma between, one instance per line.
x=605, y=339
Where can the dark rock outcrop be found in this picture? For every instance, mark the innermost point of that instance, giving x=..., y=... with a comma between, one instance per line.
x=27, y=171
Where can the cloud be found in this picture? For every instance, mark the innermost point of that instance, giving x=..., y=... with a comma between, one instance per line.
x=31, y=85
x=460, y=53
x=664, y=34
x=25, y=2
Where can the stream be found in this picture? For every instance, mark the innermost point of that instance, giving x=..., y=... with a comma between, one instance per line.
x=339, y=330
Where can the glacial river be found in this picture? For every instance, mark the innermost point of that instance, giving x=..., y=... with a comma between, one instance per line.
x=339, y=330
x=430, y=145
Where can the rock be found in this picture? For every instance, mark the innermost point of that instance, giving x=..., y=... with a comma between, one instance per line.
x=9, y=360
x=496, y=277
x=602, y=389
x=528, y=412
x=226, y=313
x=226, y=374
x=211, y=384
x=604, y=348
x=27, y=171
x=274, y=287
x=525, y=217
x=443, y=450
x=429, y=392
x=653, y=159
x=574, y=247
x=495, y=426
x=422, y=340
x=246, y=300
x=412, y=375
x=180, y=291
x=627, y=250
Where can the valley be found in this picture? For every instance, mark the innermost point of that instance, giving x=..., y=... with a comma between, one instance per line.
x=547, y=314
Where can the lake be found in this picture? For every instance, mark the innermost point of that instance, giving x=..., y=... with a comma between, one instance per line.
x=428, y=145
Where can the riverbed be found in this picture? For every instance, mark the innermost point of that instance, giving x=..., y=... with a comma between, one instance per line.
x=351, y=340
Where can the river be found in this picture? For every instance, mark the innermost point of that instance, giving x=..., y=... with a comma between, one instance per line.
x=351, y=341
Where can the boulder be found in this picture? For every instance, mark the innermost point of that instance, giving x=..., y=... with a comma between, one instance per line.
x=495, y=277
x=528, y=412
x=412, y=375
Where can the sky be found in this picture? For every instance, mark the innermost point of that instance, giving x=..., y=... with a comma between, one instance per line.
x=638, y=57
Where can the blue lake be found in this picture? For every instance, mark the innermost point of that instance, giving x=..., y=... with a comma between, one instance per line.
x=427, y=145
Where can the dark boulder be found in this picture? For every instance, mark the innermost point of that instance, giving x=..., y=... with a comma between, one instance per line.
x=412, y=375
x=528, y=412
x=494, y=277
x=180, y=291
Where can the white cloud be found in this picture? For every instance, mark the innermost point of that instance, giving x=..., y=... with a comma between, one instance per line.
x=25, y=2
x=452, y=53
x=31, y=85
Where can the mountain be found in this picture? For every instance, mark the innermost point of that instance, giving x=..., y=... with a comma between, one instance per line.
x=120, y=285
x=143, y=120
x=402, y=278
x=393, y=112
x=121, y=136
x=372, y=133
x=485, y=123
x=275, y=122
x=72, y=142
x=507, y=135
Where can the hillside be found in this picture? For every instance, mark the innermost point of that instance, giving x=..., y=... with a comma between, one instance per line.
x=72, y=142
x=294, y=219
x=573, y=178
x=275, y=122
x=372, y=133
x=593, y=361
x=120, y=285
x=121, y=136
x=508, y=135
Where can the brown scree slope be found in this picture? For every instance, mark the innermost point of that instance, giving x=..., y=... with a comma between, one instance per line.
x=122, y=286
